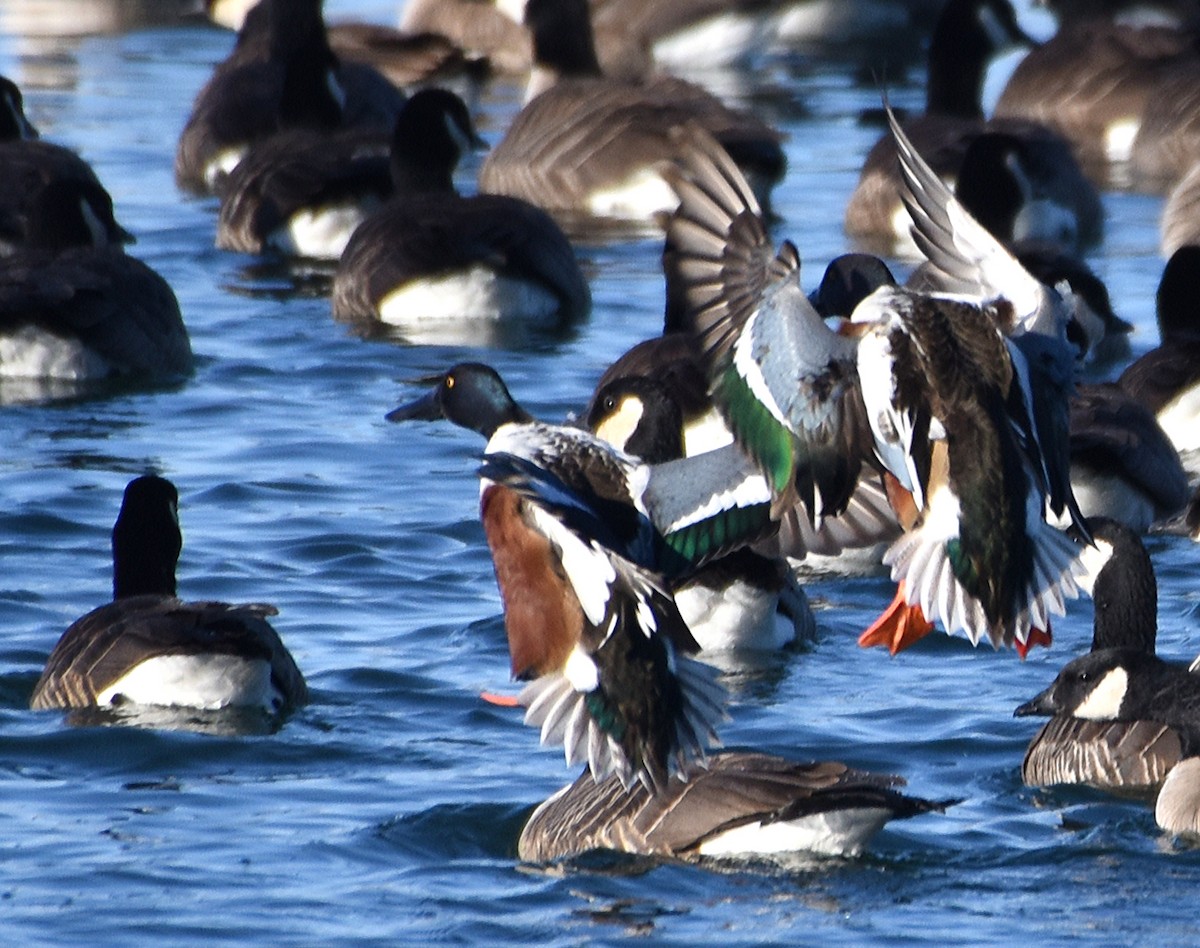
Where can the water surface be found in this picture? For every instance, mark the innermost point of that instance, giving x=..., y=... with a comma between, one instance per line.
x=389, y=808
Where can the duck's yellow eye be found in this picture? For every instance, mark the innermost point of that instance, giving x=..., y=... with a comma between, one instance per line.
x=449, y=381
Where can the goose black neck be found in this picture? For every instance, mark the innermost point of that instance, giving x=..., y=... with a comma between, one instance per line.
x=146, y=540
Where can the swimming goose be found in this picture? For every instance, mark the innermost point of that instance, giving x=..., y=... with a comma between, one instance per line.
x=404, y=58
x=14, y=126
x=301, y=193
x=281, y=74
x=1168, y=135
x=84, y=313
x=1095, y=327
x=147, y=647
x=1044, y=195
x=681, y=34
x=1008, y=183
x=1091, y=82
x=738, y=804
x=590, y=621
x=589, y=144
x=905, y=386
x=1126, y=756
x=29, y=165
x=1179, y=224
x=1121, y=684
x=430, y=255
x=480, y=29
x=1167, y=378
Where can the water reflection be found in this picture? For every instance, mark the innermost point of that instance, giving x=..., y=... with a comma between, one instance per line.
x=227, y=722
x=76, y=18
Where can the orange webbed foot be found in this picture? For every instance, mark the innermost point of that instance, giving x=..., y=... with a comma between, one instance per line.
x=898, y=627
x=1036, y=637
x=500, y=701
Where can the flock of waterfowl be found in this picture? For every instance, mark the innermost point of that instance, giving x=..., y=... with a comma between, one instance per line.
x=937, y=424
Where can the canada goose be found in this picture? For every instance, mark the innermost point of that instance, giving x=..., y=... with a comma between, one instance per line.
x=1129, y=755
x=148, y=647
x=737, y=804
x=429, y=255
x=1045, y=195
x=585, y=143
x=280, y=74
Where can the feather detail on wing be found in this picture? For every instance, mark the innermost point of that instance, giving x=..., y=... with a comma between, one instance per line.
x=632, y=706
x=779, y=375
x=921, y=559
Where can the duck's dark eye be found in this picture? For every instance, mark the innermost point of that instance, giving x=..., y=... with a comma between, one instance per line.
x=610, y=402
x=1084, y=677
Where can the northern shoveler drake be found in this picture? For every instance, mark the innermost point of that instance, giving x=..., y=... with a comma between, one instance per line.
x=431, y=255
x=732, y=601
x=848, y=280
x=281, y=74
x=586, y=143
x=588, y=615
x=674, y=359
x=930, y=389
x=1126, y=756
x=1167, y=378
x=1120, y=684
x=149, y=648
x=737, y=804
x=1022, y=173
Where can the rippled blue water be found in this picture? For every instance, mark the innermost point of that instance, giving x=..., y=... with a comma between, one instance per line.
x=388, y=809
